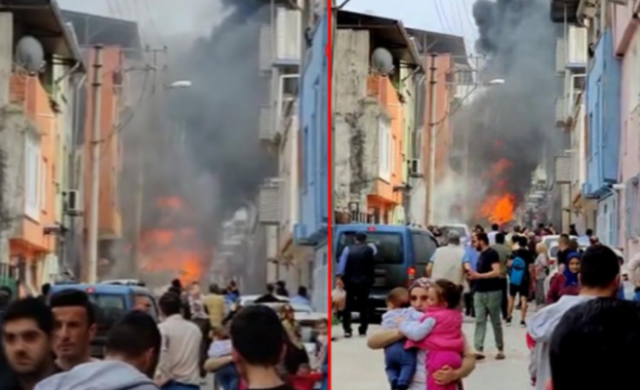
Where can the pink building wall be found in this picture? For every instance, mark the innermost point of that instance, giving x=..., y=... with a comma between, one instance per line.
x=626, y=35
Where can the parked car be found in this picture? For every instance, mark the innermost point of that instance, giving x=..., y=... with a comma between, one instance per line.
x=112, y=301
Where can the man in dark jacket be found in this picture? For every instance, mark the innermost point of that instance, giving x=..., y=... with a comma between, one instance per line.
x=356, y=274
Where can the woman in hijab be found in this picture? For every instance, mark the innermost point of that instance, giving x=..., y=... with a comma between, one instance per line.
x=565, y=283
x=385, y=337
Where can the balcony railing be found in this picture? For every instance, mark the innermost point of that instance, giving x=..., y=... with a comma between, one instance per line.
x=28, y=92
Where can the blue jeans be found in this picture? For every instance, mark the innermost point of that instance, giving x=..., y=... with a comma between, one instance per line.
x=228, y=377
x=171, y=385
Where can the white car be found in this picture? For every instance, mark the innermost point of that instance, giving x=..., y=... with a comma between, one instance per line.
x=460, y=228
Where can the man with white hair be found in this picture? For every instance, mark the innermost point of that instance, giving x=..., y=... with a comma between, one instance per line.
x=446, y=262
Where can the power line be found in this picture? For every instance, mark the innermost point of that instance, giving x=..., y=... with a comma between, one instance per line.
x=152, y=21
x=442, y=15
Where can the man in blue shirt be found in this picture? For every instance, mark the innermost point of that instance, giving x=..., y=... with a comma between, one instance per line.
x=470, y=262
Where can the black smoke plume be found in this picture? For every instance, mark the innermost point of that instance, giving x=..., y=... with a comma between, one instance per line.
x=514, y=120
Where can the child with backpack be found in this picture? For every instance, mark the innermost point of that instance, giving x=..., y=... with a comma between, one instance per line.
x=519, y=280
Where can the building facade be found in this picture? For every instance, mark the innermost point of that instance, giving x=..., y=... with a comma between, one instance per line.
x=32, y=98
x=312, y=227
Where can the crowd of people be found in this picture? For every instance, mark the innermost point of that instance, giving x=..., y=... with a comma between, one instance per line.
x=585, y=314
x=47, y=344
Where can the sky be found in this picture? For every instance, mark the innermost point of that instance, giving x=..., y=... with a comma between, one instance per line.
x=444, y=16
x=180, y=16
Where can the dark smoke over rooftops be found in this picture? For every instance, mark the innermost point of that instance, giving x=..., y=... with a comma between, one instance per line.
x=221, y=110
x=513, y=120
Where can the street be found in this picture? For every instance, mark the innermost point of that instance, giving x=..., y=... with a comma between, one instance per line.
x=355, y=367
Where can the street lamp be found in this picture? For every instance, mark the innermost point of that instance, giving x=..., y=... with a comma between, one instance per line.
x=182, y=84
x=496, y=82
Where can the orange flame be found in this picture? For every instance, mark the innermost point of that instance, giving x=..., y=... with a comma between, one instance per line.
x=498, y=209
x=178, y=251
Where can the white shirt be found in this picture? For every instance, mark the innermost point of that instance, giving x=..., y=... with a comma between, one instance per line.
x=180, y=353
x=447, y=264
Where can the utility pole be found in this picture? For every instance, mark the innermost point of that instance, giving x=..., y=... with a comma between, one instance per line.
x=92, y=269
x=433, y=124
x=140, y=179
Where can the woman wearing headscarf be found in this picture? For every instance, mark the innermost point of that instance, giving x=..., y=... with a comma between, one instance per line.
x=567, y=282
x=385, y=337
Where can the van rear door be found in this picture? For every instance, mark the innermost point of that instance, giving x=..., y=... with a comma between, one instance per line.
x=390, y=269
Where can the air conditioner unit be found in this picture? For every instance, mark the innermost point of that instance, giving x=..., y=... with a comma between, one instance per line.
x=415, y=168
x=73, y=202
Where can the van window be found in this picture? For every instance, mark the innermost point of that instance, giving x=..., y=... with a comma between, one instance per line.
x=388, y=245
x=109, y=309
x=423, y=248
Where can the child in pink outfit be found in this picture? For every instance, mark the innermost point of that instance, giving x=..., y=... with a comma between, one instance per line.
x=445, y=343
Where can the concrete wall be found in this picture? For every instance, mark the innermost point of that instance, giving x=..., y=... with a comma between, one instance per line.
x=629, y=205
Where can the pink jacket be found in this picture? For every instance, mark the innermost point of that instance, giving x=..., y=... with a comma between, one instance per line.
x=447, y=333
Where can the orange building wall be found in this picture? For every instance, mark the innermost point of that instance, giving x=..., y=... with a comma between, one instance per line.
x=109, y=224
x=29, y=241
x=384, y=197
x=444, y=77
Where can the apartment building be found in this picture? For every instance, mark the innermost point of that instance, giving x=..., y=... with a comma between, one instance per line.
x=32, y=95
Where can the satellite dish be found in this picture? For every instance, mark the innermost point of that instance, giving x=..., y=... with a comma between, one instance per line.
x=382, y=61
x=29, y=54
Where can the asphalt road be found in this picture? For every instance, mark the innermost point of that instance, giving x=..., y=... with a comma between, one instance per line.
x=355, y=367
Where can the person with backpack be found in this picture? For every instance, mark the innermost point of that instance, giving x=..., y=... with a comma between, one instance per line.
x=520, y=279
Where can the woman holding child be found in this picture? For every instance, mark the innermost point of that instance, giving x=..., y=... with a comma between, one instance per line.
x=424, y=297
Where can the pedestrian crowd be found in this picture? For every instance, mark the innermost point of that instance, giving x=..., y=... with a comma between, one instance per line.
x=586, y=313
x=46, y=343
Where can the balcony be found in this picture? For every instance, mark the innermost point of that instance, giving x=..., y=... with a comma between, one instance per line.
x=269, y=203
x=27, y=91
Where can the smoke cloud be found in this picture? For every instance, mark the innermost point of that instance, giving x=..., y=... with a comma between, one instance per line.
x=202, y=146
x=514, y=120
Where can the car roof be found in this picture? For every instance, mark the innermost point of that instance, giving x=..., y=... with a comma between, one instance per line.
x=114, y=289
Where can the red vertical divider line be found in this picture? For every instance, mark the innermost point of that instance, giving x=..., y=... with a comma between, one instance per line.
x=329, y=186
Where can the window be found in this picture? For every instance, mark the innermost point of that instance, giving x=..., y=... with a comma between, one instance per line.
x=384, y=135
x=43, y=184
x=32, y=182
x=394, y=151
x=388, y=245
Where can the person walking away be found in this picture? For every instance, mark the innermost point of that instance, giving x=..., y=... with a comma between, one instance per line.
x=572, y=230
x=487, y=299
x=132, y=350
x=563, y=251
x=302, y=298
x=400, y=362
x=199, y=315
x=270, y=296
x=44, y=292
x=520, y=280
x=289, y=323
x=227, y=376
x=608, y=326
x=445, y=342
x=495, y=229
x=176, y=287
x=355, y=275
x=446, y=261
x=258, y=349
x=470, y=263
x=599, y=278
x=75, y=328
x=567, y=282
x=281, y=288
x=233, y=291
x=27, y=340
x=541, y=271
x=504, y=253
x=216, y=307
x=179, y=367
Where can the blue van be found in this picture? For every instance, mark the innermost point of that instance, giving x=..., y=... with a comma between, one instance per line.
x=111, y=301
x=403, y=254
